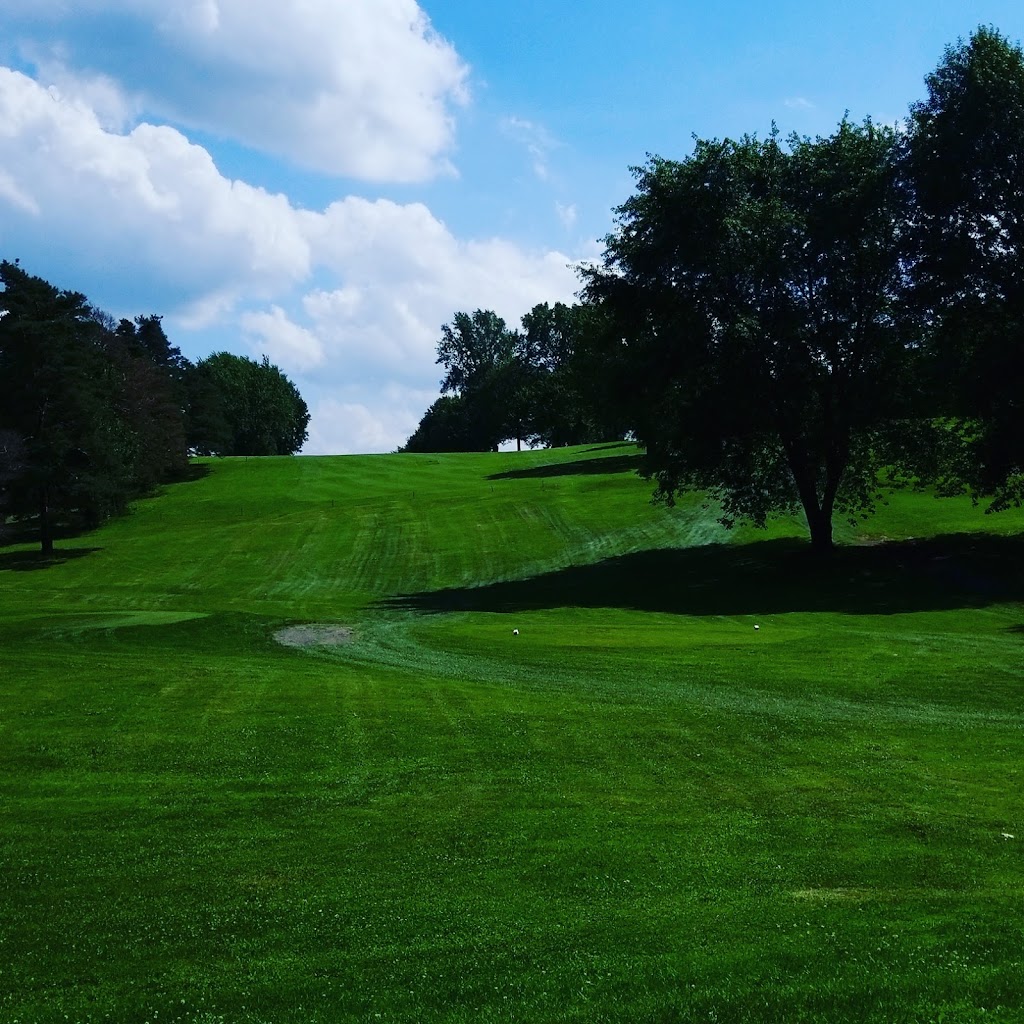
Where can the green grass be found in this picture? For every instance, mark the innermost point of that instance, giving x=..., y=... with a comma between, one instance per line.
x=640, y=809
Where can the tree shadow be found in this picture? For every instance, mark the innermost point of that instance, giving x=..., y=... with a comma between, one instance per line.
x=193, y=471
x=26, y=531
x=33, y=561
x=610, y=445
x=582, y=467
x=776, y=576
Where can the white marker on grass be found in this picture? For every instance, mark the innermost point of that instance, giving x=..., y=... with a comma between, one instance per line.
x=515, y=632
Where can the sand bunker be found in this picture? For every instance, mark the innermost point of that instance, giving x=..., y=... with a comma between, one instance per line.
x=315, y=634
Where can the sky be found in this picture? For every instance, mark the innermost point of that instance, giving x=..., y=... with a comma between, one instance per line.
x=327, y=182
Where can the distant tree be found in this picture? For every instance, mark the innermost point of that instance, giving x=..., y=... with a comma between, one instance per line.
x=760, y=329
x=262, y=409
x=966, y=162
x=445, y=427
x=148, y=382
x=567, y=398
x=485, y=367
x=56, y=407
x=207, y=430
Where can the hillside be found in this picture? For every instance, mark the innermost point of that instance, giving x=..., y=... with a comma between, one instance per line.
x=638, y=808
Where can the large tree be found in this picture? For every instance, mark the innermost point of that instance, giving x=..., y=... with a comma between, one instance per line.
x=261, y=409
x=760, y=338
x=966, y=162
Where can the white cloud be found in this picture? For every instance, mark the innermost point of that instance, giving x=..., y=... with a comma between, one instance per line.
x=537, y=140
x=363, y=88
x=14, y=194
x=381, y=422
x=798, y=103
x=404, y=274
x=146, y=203
x=349, y=301
x=285, y=343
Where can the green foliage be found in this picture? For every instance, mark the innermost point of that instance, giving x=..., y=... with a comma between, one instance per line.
x=485, y=372
x=147, y=380
x=241, y=407
x=447, y=427
x=966, y=152
x=566, y=398
x=533, y=385
x=57, y=408
x=760, y=330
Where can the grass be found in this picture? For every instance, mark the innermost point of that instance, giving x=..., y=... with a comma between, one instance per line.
x=637, y=810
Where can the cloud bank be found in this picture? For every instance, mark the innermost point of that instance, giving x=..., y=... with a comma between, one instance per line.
x=364, y=88
x=348, y=300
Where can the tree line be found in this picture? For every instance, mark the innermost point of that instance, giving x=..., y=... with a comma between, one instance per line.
x=95, y=412
x=533, y=385
x=784, y=322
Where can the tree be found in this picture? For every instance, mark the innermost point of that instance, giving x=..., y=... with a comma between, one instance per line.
x=261, y=407
x=147, y=380
x=966, y=162
x=760, y=331
x=566, y=397
x=207, y=430
x=485, y=367
x=68, y=446
x=445, y=427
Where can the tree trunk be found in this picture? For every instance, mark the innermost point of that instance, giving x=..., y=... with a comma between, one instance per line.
x=820, y=524
x=817, y=510
x=45, y=526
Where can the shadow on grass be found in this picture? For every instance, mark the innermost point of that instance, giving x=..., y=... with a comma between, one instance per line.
x=610, y=445
x=33, y=561
x=611, y=464
x=194, y=471
x=26, y=531
x=952, y=571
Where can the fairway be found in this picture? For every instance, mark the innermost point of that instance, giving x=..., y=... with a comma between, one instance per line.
x=637, y=809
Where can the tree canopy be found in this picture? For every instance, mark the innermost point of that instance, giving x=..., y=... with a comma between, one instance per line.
x=57, y=407
x=966, y=165
x=532, y=385
x=761, y=332
x=255, y=408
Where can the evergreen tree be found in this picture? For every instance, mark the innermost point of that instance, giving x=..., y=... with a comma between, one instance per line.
x=56, y=401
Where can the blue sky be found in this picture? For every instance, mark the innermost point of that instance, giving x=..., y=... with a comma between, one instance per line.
x=328, y=181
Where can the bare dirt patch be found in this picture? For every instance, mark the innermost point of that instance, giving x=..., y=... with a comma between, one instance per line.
x=314, y=634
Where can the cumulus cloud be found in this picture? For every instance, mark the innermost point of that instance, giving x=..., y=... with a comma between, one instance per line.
x=273, y=334
x=348, y=300
x=148, y=204
x=364, y=88
x=405, y=274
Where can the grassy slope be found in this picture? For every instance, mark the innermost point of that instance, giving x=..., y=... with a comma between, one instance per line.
x=639, y=809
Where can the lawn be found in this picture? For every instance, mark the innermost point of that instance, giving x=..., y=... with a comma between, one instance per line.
x=638, y=809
